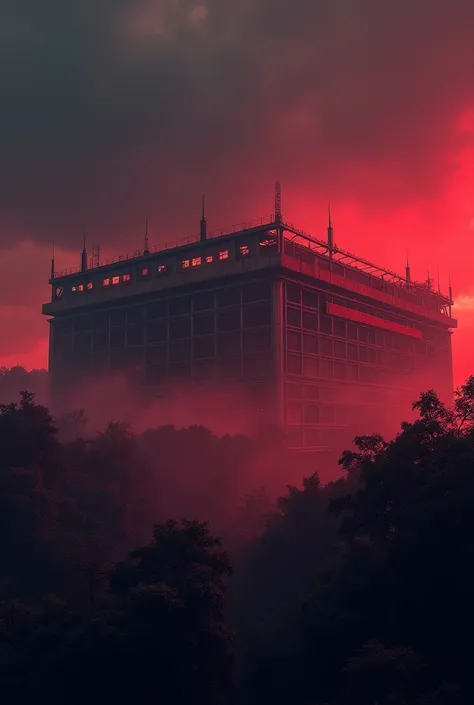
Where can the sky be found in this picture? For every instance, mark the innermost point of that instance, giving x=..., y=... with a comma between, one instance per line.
x=121, y=109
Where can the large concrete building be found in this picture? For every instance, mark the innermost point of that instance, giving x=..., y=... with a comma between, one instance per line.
x=324, y=343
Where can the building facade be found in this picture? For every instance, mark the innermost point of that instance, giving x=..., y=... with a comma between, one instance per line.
x=323, y=343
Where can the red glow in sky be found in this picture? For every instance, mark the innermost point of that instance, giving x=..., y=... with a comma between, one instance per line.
x=126, y=110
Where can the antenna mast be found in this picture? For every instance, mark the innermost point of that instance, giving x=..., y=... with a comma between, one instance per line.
x=203, y=224
x=330, y=233
x=146, y=245
x=278, y=217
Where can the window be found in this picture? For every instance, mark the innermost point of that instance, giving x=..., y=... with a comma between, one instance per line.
x=228, y=343
x=127, y=278
x=117, y=317
x=310, y=366
x=310, y=320
x=228, y=297
x=180, y=305
x=293, y=292
x=244, y=250
x=339, y=328
x=180, y=328
x=294, y=341
x=80, y=287
x=204, y=301
x=157, y=354
x=340, y=349
x=224, y=254
x=228, y=367
x=325, y=346
x=326, y=324
x=203, y=347
x=135, y=334
x=163, y=268
x=145, y=272
x=209, y=259
x=256, y=339
x=180, y=351
x=157, y=331
x=310, y=298
x=310, y=344
x=257, y=366
x=185, y=264
x=257, y=315
x=135, y=313
x=267, y=242
x=326, y=368
x=106, y=282
x=90, y=286
x=294, y=413
x=117, y=337
x=228, y=319
x=203, y=324
x=157, y=309
x=293, y=364
x=311, y=414
x=115, y=280
x=196, y=262
x=294, y=317
x=256, y=291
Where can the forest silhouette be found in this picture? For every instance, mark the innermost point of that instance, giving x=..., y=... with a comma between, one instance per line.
x=132, y=571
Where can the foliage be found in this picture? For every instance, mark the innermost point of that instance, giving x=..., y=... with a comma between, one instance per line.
x=354, y=593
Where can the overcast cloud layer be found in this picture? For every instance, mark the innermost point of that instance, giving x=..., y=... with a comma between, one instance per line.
x=113, y=109
x=117, y=107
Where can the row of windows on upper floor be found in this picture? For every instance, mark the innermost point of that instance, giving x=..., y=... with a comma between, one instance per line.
x=298, y=296
x=338, y=327
x=147, y=271
x=223, y=298
x=228, y=343
x=383, y=347
x=318, y=367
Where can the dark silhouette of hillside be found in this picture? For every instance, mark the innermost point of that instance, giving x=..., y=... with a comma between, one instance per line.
x=357, y=592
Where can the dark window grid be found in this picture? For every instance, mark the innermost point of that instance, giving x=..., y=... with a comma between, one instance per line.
x=202, y=314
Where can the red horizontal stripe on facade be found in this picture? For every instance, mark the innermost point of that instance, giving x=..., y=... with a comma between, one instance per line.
x=369, y=320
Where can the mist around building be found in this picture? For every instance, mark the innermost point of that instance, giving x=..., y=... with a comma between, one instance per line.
x=245, y=479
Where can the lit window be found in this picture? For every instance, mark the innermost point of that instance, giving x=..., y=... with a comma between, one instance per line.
x=106, y=282
x=115, y=280
x=145, y=272
x=185, y=264
x=224, y=254
x=80, y=287
x=127, y=277
x=209, y=259
x=89, y=286
x=268, y=242
x=244, y=250
x=197, y=261
x=162, y=268
x=73, y=288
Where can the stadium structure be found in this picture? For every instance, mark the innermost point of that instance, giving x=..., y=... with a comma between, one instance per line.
x=324, y=343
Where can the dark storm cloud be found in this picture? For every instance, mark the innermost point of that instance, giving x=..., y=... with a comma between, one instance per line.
x=116, y=108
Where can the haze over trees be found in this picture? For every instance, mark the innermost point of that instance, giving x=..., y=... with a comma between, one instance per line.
x=115, y=586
